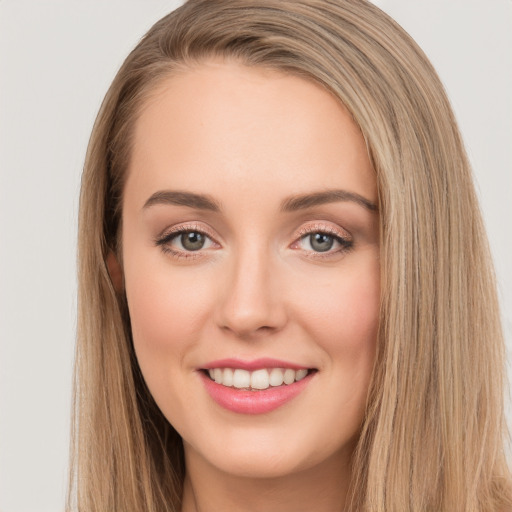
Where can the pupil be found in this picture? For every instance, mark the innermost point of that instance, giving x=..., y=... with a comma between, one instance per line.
x=321, y=242
x=192, y=241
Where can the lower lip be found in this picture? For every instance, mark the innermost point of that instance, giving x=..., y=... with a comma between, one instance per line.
x=254, y=402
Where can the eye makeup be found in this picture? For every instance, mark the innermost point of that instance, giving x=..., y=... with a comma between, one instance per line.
x=325, y=241
x=192, y=238
x=316, y=241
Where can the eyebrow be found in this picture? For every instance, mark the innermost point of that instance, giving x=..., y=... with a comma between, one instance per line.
x=178, y=198
x=301, y=202
x=328, y=196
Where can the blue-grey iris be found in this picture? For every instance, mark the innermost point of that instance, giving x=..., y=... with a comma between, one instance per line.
x=192, y=241
x=321, y=242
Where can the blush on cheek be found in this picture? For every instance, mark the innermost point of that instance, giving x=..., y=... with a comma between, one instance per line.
x=166, y=312
x=157, y=324
x=347, y=312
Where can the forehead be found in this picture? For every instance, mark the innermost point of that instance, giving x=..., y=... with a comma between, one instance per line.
x=223, y=126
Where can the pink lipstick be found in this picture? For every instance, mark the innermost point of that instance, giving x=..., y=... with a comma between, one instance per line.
x=254, y=387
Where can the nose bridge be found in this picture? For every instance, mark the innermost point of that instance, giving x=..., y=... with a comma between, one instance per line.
x=251, y=301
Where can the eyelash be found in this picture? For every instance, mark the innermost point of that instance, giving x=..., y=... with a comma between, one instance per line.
x=163, y=241
x=346, y=244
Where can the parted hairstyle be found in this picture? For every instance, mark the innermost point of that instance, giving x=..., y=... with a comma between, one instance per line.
x=433, y=434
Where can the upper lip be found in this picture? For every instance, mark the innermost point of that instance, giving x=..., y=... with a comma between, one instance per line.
x=255, y=364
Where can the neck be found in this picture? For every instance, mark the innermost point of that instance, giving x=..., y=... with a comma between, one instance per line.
x=322, y=488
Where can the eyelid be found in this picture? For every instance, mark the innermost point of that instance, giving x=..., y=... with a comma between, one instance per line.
x=163, y=241
x=321, y=227
x=168, y=233
x=342, y=237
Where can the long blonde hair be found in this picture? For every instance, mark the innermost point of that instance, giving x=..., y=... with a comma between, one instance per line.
x=433, y=435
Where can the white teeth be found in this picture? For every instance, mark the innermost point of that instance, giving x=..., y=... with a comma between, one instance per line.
x=300, y=374
x=227, y=377
x=258, y=379
x=289, y=376
x=241, y=379
x=276, y=377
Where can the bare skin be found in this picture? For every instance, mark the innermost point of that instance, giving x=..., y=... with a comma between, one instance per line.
x=290, y=492
x=242, y=265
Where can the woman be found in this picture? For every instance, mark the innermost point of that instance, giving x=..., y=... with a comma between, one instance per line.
x=279, y=307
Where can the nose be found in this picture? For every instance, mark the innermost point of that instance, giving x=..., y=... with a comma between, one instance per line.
x=252, y=296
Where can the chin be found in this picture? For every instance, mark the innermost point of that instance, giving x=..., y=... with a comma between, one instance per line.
x=261, y=465
x=262, y=456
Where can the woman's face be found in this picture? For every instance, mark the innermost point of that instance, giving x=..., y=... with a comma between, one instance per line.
x=251, y=252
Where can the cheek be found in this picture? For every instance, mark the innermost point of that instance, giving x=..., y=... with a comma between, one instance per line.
x=343, y=318
x=166, y=309
x=346, y=309
x=167, y=312
x=349, y=326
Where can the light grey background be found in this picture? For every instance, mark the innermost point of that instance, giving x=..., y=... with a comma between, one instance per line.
x=57, y=58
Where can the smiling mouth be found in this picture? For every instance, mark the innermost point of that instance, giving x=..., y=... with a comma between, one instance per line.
x=256, y=380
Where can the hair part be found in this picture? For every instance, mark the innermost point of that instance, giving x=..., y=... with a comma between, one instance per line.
x=433, y=434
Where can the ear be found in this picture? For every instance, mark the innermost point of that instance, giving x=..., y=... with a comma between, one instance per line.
x=115, y=271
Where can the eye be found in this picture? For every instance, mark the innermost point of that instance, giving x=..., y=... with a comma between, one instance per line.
x=190, y=240
x=185, y=242
x=322, y=241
